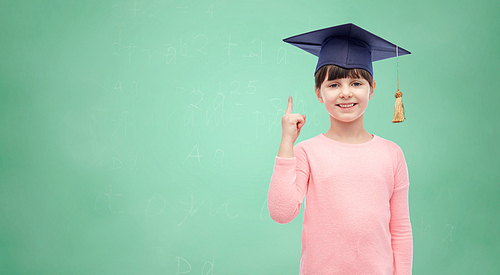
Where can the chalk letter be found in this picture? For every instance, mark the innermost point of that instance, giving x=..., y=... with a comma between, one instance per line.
x=210, y=267
x=194, y=156
x=179, y=266
x=261, y=123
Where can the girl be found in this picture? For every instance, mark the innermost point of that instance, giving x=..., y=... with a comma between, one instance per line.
x=355, y=183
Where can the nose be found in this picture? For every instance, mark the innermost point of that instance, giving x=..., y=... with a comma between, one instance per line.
x=345, y=93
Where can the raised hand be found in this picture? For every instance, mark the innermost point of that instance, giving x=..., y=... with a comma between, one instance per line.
x=291, y=124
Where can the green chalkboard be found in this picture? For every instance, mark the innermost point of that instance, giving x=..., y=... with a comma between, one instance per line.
x=138, y=137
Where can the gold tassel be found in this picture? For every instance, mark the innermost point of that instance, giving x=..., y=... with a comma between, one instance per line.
x=399, y=111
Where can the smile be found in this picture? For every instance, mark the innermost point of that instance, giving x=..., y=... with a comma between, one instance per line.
x=346, y=105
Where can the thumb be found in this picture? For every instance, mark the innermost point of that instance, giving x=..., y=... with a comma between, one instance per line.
x=302, y=122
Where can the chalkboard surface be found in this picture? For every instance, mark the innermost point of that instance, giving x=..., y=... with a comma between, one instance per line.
x=138, y=137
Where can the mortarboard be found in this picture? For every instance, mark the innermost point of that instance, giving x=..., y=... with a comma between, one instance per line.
x=347, y=46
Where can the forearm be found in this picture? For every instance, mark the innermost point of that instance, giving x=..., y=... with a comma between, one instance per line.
x=282, y=199
x=286, y=148
x=402, y=247
x=288, y=183
x=401, y=233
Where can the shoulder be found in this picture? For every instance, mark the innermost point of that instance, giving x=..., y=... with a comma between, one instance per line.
x=393, y=149
x=391, y=146
x=308, y=148
x=310, y=143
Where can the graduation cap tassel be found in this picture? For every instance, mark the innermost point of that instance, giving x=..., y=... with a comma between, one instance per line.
x=399, y=112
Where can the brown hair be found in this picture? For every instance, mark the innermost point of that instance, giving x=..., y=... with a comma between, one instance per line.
x=336, y=72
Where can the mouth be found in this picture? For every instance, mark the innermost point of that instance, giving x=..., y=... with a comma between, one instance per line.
x=348, y=105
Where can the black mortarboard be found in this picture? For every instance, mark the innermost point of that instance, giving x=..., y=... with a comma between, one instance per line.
x=347, y=46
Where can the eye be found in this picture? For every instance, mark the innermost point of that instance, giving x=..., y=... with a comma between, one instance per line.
x=333, y=85
x=356, y=84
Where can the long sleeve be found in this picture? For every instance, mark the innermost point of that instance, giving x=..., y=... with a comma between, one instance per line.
x=400, y=227
x=288, y=186
x=356, y=219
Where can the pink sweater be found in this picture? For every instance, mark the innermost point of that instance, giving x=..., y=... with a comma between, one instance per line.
x=356, y=218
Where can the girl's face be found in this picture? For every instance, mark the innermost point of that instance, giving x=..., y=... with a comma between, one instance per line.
x=345, y=99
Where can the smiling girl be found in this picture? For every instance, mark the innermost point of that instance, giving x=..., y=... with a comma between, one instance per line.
x=355, y=183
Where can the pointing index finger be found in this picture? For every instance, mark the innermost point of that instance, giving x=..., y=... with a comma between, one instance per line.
x=290, y=105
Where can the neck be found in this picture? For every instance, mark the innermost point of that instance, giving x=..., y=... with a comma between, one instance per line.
x=348, y=132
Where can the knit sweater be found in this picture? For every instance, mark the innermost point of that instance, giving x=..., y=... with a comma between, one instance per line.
x=356, y=216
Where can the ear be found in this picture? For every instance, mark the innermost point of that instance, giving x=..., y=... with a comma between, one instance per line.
x=372, y=90
x=318, y=94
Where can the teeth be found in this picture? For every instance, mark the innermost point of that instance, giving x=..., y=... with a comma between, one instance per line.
x=346, y=105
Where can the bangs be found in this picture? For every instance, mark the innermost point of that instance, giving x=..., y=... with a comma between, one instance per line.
x=336, y=72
